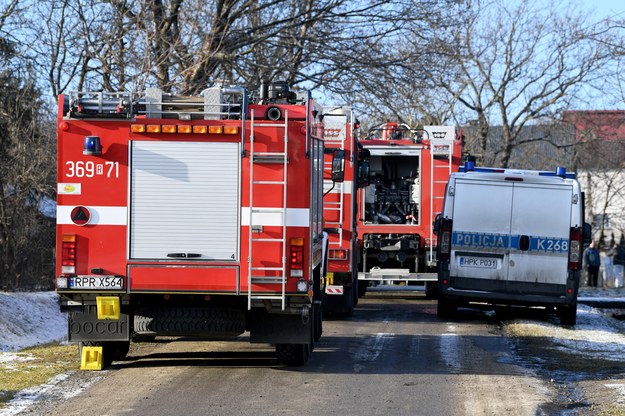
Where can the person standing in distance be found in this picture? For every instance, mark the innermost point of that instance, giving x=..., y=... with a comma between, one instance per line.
x=592, y=262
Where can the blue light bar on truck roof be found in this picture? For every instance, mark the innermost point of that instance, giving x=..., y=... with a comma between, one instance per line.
x=560, y=171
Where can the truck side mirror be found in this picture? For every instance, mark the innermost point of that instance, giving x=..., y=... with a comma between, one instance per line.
x=364, y=173
x=436, y=226
x=338, y=165
x=364, y=168
x=586, y=233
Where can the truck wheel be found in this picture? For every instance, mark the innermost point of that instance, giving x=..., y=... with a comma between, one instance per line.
x=431, y=290
x=348, y=302
x=362, y=288
x=445, y=308
x=318, y=321
x=294, y=355
x=568, y=315
x=356, y=291
x=189, y=321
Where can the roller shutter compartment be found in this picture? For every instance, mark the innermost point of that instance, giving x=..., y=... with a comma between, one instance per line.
x=184, y=200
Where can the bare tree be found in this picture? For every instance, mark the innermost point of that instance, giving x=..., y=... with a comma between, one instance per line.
x=520, y=63
x=390, y=74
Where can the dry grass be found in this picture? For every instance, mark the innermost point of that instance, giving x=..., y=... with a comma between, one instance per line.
x=34, y=366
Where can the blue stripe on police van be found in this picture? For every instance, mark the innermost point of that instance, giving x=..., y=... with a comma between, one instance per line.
x=493, y=241
x=485, y=240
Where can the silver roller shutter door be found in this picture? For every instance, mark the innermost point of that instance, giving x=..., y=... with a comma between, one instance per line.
x=184, y=199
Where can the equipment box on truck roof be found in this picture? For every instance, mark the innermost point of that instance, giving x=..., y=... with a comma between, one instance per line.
x=511, y=237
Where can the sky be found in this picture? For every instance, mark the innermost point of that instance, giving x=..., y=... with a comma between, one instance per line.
x=606, y=8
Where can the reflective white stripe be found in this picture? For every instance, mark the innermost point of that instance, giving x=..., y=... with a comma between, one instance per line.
x=347, y=187
x=295, y=217
x=99, y=215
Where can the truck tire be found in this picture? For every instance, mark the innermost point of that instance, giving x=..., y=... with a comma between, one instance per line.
x=362, y=288
x=568, y=315
x=318, y=321
x=445, y=308
x=431, y=290
x=212, y=322
x=294, y=355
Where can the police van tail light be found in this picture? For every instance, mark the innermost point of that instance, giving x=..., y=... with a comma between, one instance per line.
x=296, y=258
x=444, y=240
x=575, y=249
x=68, y=254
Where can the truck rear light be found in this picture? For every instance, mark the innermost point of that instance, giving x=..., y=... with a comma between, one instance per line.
x=215, y=129
x=575, y=249
x=200, y=129
x=153, y=128
x=231, y=130
x=68, y=254
x=337, y=254
x=296, y=259
x=168, y=128
x=185, y=129
x=444, y=240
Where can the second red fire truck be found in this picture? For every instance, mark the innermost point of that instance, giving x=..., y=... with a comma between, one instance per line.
x=408, y=172
x=191, y=216
x=339, y=210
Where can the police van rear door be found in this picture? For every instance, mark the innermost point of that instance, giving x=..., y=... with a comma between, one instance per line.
x=481, y=229
x=540, y=229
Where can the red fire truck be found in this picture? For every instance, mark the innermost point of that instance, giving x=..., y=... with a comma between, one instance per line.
x=191, y=216
x=409, y=169
x=339, y=210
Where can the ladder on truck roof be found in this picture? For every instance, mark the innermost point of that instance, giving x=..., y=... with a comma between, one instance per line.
x=263, y=274
x=339, y=188
x=441, y=166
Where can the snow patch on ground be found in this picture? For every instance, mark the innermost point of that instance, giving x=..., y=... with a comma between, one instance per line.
x=28, y=319
x=595, y=336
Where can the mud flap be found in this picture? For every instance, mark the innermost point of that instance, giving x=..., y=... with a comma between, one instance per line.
x=280, y=328
x=85, y=326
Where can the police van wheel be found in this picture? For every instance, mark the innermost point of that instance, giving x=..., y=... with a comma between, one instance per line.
x=445, y=308
x=568, y=315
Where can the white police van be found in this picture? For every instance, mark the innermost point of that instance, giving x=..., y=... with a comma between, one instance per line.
x=511, y=237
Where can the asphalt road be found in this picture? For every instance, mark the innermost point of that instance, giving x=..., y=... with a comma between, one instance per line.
x=393, y=357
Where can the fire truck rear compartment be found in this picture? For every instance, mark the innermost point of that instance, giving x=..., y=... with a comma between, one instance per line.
x=184, y=200
x=393, y=197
